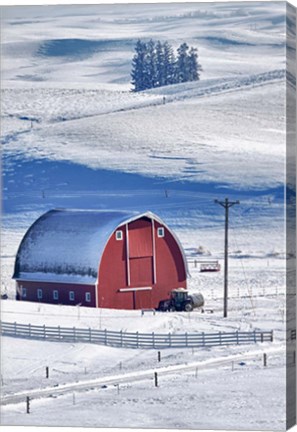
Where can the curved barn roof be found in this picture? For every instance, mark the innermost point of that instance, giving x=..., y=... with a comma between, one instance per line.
x=67, y=245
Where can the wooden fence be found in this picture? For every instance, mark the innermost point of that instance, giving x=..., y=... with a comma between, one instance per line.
x=134, y=340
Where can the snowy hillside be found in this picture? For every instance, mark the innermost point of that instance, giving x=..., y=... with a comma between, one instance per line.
x=83, y=126
x=46, y=115
x=75, y=136
x=95, y=44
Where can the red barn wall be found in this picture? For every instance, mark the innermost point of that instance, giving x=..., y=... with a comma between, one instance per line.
x=113, y=272
x=170, y=267
x=63, y=289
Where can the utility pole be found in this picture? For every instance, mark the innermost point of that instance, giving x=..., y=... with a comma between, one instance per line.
x=226, y=204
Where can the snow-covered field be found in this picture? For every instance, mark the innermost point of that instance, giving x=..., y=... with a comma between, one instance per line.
x=74, y=136
x=238, y=384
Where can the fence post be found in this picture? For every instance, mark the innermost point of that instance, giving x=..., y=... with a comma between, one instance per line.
x=262, y=337
x=90, y=334
x=255, y=336
x=44, y=332
x=265, y=359
x=15, y=328
x=74, y=334
x=28, y=405
x=137, y=339
x=195, y=263
x=271, y=336
x=59, y=332
x=186, y=335
x=121, y=338
x=159, y=356
x=203, y=339
x=47, y=372
x=153, y=335
x=237, y=337
x=196, y=372
x=220, y=334
x=105, y=337
x=156, y=379
x=169, y=337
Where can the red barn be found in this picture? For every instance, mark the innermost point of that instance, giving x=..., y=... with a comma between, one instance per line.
x=110, y=259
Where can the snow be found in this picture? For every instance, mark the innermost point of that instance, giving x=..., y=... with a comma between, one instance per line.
x=75, y=368
x=75, y=136
x=238, y=374
x=106, y=39
x=178, y=147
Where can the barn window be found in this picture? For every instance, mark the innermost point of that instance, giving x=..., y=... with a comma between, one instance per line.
x=88, y=297
x=24, y=292
x=161, y=232
x=71, y=295
x=39, y=293
x=56, y=295
x=119, y=235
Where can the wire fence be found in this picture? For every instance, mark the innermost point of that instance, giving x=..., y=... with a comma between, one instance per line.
x=134, y=340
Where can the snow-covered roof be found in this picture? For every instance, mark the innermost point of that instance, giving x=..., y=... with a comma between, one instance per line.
x=67, y=245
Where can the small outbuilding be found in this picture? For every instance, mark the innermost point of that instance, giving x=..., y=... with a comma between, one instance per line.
x=109, y=259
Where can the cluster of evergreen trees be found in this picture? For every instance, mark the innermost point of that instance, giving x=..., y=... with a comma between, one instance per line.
x=155, y=64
